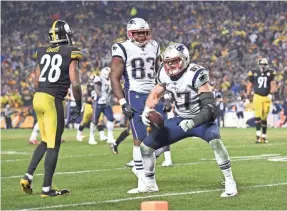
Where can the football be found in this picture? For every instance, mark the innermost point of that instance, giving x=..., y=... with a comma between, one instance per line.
x=156, y=119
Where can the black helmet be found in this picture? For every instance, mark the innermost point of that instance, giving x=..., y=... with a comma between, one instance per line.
x=60, y=32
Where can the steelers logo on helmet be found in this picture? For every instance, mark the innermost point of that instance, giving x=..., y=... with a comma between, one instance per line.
x=138, y=31
x=175, y=59
x=60, y=32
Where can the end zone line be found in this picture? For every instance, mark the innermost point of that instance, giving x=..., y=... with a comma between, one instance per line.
x=150, y=196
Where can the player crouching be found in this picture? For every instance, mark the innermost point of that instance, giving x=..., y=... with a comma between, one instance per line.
x=195, y=111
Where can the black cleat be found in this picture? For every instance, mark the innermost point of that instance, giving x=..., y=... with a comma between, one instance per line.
x=264, y=140
x=26, y=186
x=114, y=148
x=258, y=140
x=54, y=192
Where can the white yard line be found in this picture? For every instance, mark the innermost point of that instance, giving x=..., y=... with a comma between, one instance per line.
x=104, y=154
x=125, y=168
x=151, y=196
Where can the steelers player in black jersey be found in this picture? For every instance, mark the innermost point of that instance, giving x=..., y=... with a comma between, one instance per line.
x=262, y=81
x=56, y=69
x=88, y=112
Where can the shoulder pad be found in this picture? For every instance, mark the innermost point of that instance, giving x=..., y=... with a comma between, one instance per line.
x=119, y=50
x=200, y=78
x=194, y=67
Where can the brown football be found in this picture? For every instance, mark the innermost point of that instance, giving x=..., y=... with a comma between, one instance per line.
x=156, y=119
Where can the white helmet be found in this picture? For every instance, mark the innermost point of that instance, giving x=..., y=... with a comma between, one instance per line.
x=263, y=61
x=138, y=31
x=105, y=72
x=175, y=59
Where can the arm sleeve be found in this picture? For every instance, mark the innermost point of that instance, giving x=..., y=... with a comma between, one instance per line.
x=119, y=51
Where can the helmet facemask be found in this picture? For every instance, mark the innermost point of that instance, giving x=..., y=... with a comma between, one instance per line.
x=174, y=66
x=139, y=37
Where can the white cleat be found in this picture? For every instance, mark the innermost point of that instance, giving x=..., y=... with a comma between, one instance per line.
x=92, y=142
x=130, y=164
x=166, y=163
x=111, y=141
x=103, y=138
x=80, y=138
x=230, y=189
x=145, y=185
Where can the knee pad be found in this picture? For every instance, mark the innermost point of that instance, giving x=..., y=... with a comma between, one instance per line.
x=146, y=149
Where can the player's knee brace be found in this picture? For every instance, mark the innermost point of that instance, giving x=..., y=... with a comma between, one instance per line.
x=146, y=150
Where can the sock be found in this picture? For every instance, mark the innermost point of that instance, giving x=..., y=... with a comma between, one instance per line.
x=29, y=176
x=149, y=160
x=137, y=156
x=46, y=189
x=92, y=130
x=167, y=155
x=81, y=128
x=122, y=137
x=101, y=132
x=37, y=157
x=222, y=158
x=50, y=166
x=110, y=127
x=264, y=127
x=34, y=133
x=258, y=126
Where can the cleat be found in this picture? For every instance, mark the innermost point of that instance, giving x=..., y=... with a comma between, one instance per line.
x=111, y=141
x=264, y=140
x=130, y=164
x=26, y=186
x=230, y=189
x=34, y=142
x=258, y=140
x=80, y=138
x=92, y=142
x=103, y=138
x=54, y=192
x=145, y=185
x=166, y=163
x=114, y=148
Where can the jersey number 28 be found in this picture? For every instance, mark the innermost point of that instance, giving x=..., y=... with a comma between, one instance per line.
x=54, y=63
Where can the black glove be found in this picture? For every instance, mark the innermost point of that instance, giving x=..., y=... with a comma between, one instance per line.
x=75, y=113
x=167, y=105
x=128, y=110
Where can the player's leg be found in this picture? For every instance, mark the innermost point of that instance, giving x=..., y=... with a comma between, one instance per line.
x=34, y=134
x=137, y=101
x=266, y=108
x=87, y=118
x=257, y=101
x=54, y=127
x=210, y=133
x=84, y=122
x=97, y=113
x=120, y=139
x=39, y=152
x=108, y=112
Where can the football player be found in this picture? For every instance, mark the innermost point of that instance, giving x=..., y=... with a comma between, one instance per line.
x=262, y=80
x=195, y=113
x=102, y=104
x=56, y=69
x=137, y=59
x=88, y=112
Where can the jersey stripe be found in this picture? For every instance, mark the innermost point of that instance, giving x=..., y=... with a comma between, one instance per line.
x=124, y=51
x=195, y=77
x=53, y=30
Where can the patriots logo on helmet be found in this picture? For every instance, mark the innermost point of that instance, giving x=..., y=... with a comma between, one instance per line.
x=132, y=22
x=114, y=48
x=180, y=48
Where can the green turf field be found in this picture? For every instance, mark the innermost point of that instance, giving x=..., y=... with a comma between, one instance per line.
x=99, y=180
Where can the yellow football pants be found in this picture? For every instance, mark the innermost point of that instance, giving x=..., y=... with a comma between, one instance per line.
x=261, y=105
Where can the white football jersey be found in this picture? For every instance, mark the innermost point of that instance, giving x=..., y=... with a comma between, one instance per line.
x=106, y=90
x=184, y=90
x=139, y=71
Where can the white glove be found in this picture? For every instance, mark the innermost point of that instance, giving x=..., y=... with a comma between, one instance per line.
x=186, y=124
x=145, y=115
x=270, y=96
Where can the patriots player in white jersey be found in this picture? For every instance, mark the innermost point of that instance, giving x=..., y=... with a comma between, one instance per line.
x=137, y=59
x=102, y=104
x=195, y=111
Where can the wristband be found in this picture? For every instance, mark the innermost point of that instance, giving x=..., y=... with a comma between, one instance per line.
x=122, y=101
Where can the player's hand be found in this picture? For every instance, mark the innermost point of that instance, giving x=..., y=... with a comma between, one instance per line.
x=76, y=113
x=167, y=105
x=145, y=115
x=270, y=97
x=186, y=124
x=128, y=110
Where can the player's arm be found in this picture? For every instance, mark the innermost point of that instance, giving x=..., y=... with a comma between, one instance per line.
x=75, y=81
x=117, y=70
x=154, y=96
x=37, y=76
x=249, y=83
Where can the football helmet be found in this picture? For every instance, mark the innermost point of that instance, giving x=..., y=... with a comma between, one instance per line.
x=105, y=72
x=60, y=32
x=263, y=64
x=138, y=31
x=175, y=59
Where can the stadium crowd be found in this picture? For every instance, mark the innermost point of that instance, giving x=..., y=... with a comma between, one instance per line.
x=225, y=37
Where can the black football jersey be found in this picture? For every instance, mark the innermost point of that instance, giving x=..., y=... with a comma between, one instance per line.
x=90, y=89
x=54, y=62
x=261, y=80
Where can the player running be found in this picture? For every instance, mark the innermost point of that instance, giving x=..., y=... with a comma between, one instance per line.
x=56, y=69
x=195, y=111
x=262, y=79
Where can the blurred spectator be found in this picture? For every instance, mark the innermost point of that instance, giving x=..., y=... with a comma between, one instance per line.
x=7, y=114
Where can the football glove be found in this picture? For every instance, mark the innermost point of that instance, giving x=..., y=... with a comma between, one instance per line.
x=145, y=115
x=128, y=110
x=76, y=113
x=167, y=105
x=186, y=124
